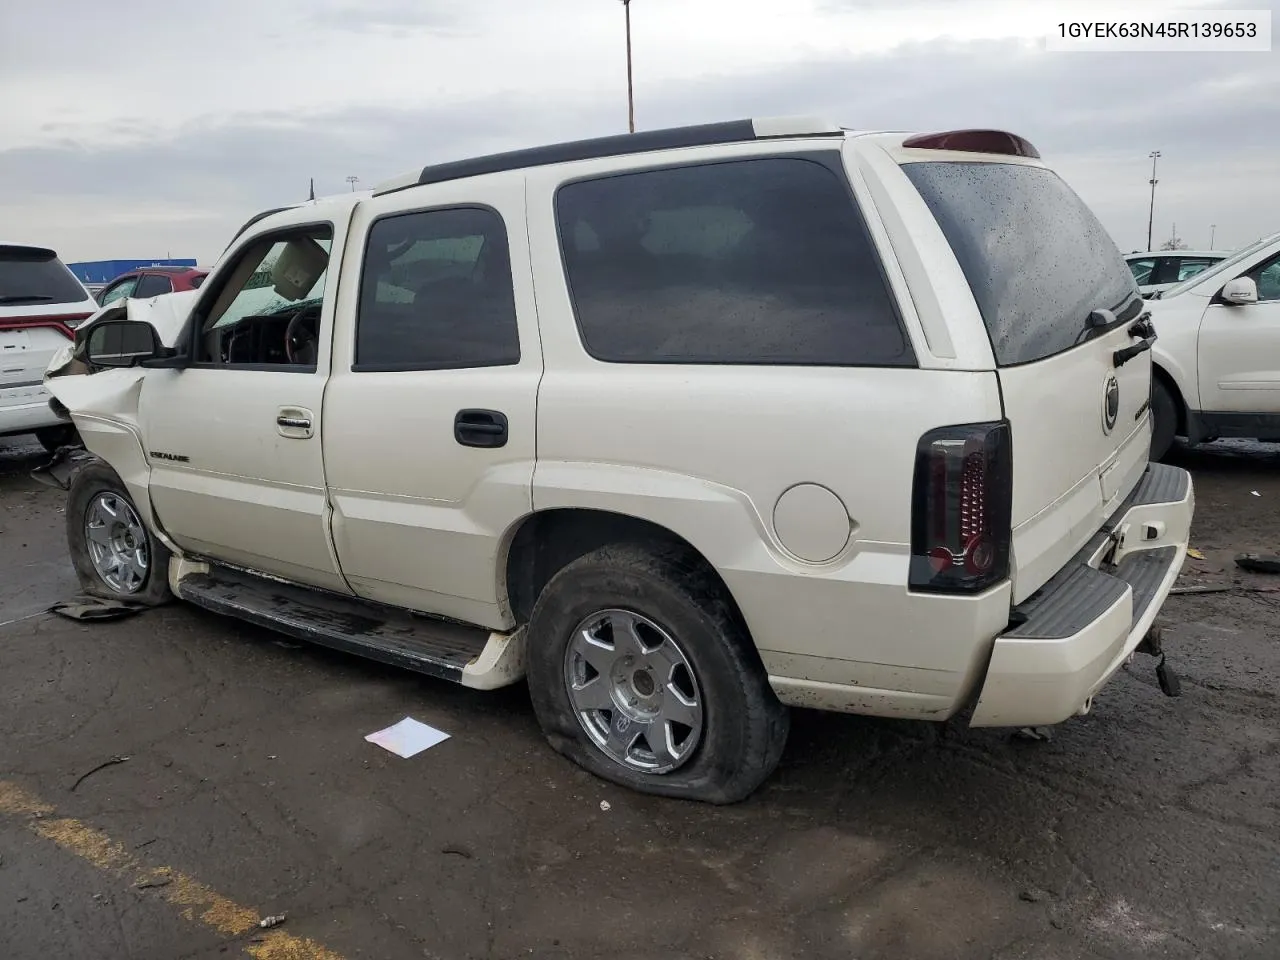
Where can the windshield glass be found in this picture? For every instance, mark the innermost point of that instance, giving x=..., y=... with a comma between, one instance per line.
x=1222, y=267
x=29, y=275
x=1037, y=259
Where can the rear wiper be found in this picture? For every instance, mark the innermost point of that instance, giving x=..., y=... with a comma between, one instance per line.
x=25, y=298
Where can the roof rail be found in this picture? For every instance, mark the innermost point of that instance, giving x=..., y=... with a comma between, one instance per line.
x=701, y=135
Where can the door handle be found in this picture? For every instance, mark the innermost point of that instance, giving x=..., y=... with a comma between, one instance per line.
x=480, y=428
x=294, y=423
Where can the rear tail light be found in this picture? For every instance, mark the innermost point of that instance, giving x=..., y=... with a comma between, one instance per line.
x=64, y=323
x=961, y=509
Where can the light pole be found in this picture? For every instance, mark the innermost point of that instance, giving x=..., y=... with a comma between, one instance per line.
x=353, y=180
x=631, y=101
x=1155, y=155
x=1213, y=229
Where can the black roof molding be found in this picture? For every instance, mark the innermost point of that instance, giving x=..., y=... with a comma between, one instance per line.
x=700, y=135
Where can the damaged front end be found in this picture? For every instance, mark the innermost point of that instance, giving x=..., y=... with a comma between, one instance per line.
x=103, y=401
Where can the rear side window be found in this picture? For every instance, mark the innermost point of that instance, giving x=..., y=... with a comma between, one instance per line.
x=745, y=262
x=436, y=293
x=33, y=275
x=152, y=285
x=1141, y=269
x=1037, y=259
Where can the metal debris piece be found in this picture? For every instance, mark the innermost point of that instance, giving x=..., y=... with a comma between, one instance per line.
x=153, y=882
x=266, y=923
x=85, y=608
x=1258, y=562
x=1194, y=553
x=457, y=852
x=1043, y=734
x=605, y=806
x=102, y=766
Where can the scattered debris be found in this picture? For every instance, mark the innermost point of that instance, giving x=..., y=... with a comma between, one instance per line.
x=458, y=852
x=605, y=806
x=266, y=923
x=408, y=738
x=85, y=608
x=1057, y=922
x=153, y=882
x=1044, y=734
x=1255, y=493
x=1223, y=588
x=1170, y=685
x=1258, y=562
x=1194, y=553
x=102, y=766
x=1034, y=895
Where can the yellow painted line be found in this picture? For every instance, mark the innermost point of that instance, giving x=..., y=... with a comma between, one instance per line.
x=198, y=903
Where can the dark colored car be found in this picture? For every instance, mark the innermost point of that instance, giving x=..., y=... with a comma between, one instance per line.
x=151, y=282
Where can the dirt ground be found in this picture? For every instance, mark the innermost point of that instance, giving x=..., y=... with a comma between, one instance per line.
x=1150, y=828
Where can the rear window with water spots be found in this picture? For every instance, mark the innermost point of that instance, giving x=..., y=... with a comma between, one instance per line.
x=1037, y=259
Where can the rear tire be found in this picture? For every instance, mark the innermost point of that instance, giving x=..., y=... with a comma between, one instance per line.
x=713, y=687
x=1164, y=420
x=51, y=438
x=116, y=557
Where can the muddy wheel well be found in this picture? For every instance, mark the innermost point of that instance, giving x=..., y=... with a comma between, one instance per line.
x=1160, y=374
x=547, y=542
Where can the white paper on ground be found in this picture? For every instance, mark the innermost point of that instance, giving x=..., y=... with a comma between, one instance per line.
x=408, y=737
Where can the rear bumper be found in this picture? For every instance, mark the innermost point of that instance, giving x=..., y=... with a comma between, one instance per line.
x=1078, y=629
x=26, y=408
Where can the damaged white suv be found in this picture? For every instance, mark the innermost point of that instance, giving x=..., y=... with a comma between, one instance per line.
x=685, y=427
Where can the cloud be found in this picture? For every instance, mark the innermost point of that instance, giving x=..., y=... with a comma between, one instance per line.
x=1095, y=117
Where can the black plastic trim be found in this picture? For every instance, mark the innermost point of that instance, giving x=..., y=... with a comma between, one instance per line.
x=617, y=145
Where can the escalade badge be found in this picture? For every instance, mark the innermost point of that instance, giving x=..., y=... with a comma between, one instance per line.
x=1110, y=404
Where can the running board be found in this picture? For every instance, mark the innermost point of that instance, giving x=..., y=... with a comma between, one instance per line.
x=471, y=656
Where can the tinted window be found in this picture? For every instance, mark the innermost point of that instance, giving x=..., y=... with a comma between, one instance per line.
x=152, y=285
x=118, y=290
x=1141, y=269
x=436, y=293
x=30, y=275
x=754, y=261
x=1188, y=267
x=1036, y=258
x=1267, y=277
x=196, y=281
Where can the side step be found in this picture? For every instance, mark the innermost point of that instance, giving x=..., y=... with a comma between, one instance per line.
x=464, y=654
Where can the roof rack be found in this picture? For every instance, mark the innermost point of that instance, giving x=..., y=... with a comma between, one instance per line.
x=701, y=135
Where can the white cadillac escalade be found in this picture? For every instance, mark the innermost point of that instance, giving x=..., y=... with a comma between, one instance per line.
x=685, y=427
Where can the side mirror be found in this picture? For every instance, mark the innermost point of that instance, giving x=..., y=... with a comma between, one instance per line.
x=1240, y=291
x=123, y=343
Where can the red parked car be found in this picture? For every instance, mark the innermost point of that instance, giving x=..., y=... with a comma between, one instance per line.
x=151, y=282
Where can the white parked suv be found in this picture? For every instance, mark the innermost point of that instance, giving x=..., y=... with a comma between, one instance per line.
x=686, y=427
x=41, y=302
x=1218, y=356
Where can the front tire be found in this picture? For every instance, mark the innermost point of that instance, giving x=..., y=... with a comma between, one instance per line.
x=115, y=555
x=1164, y=420
x=641, y=673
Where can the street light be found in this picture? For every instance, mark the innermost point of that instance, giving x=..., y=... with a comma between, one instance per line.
x=631, y=101
x=353, y=180
x=1154, y=155
x=1213, y=229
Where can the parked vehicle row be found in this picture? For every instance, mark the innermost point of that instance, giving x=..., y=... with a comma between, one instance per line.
x=152, y=282
x=601, y=414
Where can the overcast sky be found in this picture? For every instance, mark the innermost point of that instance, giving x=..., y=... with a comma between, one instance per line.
x=151, y=128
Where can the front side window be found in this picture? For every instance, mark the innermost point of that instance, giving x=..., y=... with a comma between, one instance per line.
x=119, y=290
x=266, y=309
x=1141, y=270
x=153, y=285
x=1189, y=267
x=1267, y=277
x=436, y=293
x=1036, y=258
x=762, y=261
